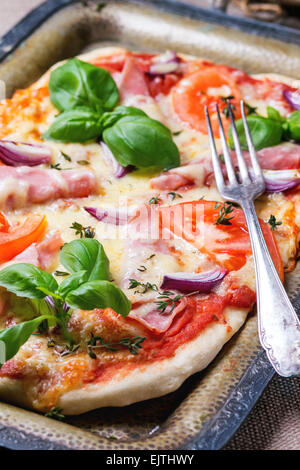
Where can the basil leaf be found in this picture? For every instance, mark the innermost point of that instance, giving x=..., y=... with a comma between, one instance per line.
x=99, y=294
x=77, y=83
x=88, y=255
x=275, y=114
x=15, y=336
x=77, y=125
x=142, y=142
x=72, y=282
x=109, y=119
x=25, y=279
x=26, y=309
x=294, y=125
x=264, y=132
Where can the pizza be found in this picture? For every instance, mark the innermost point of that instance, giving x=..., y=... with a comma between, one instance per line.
x=122, y=270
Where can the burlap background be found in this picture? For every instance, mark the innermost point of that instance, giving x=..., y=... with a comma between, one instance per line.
x=274, y=423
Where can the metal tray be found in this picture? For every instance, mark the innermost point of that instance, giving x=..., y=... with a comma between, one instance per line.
x=210, y=406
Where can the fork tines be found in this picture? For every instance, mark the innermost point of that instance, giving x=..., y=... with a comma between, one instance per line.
x=244, y=175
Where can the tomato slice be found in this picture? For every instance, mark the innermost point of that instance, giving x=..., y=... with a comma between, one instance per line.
x=17, y=238
x=4, y=224
x=228, y=245
x=111, y=63
x=205, y=87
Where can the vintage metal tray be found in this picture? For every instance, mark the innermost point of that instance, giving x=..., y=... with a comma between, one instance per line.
x=210, y=406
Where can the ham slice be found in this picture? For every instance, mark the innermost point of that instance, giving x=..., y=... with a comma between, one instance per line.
x=30, y=255
x=280, y=157
x=170, y=180
x=199, y=172
x=48, y=249
x=144, y=307
x=23, y=185
x=156, y=321
x=42, y=255
x=194, y=173
x=132, y=81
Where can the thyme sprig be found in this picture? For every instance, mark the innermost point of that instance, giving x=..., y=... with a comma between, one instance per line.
x=225, y=209
x=174, y=195
x=145, y=286
x=155, y=200
x=133, y=344
x=226, y=110
x=167, y=299
x=66, y=156
x=273, y=222
x=55, y=413
x=55, y=167
x=84, y=232
x=63, y=349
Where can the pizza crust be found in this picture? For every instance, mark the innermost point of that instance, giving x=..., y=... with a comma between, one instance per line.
x=276, y=77
x=12, y=391
x=159, y=378
x=148, y=381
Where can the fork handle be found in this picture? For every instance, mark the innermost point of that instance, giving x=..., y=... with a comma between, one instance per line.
x=278, y=324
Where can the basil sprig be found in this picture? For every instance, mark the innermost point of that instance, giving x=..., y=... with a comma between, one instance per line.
x=77, y=83
x=86, y=97
x=268, y=131
x=15, y=336
x=142, y=142
x=293, y=123
x=87, y=287
x=76, y=125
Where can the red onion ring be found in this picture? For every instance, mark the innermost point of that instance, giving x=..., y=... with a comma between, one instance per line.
x=109, y=216
x=281, y=180
x=164, y=63
x=20, y=154
x=293, y=97
x=193, y=282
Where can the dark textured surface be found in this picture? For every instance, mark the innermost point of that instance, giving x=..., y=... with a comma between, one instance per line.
x=274, y=422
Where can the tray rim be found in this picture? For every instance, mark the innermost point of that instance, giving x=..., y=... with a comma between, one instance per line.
x=245, y=394
x=27, y=25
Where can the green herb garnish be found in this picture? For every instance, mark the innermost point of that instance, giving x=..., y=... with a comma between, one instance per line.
x=174, y=195
x=55, y=413
x=154, y=200
x=87, y=287
x=55, y=167
x=100, y=6
x=84, y=232
x=133, y=284
x=250, y=109
x=133, y=344
x=167, y=299
x=225, y=210
x=177, y=133
x=273, y=223
x=63, y=349
x=66, y=157
x=142, y=268
x=86, y=97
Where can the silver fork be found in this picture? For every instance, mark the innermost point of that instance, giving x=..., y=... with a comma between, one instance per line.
x=278, y=324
